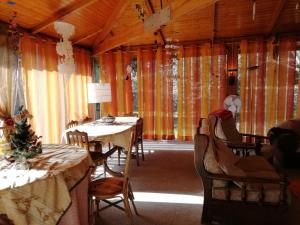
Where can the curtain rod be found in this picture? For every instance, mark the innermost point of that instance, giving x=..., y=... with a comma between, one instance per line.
x=225, y=40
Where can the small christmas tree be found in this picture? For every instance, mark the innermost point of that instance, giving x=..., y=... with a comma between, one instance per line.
x=24, y=142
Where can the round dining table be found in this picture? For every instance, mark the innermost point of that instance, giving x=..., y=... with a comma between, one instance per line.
x=49, y=189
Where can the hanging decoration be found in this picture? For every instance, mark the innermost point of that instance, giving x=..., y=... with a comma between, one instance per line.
x=141, y=13
x=172, y=49
x=14, y=35
x=64, y=49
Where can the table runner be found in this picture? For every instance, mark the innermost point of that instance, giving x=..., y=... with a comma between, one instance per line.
x=41, y=195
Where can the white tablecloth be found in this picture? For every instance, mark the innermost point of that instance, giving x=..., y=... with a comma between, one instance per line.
x=117, y=133
x=45, y=192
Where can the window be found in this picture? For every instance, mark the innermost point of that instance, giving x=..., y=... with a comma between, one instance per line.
x=134, y=84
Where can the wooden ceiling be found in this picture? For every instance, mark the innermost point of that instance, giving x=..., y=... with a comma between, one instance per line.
x=102, y=25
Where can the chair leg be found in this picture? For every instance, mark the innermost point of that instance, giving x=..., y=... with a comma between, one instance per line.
x=142, y=148
x=119, y=156
x=131, y=197
x=127, y=209
x=91, y=210
x=97, y=206
x=104, y=170
x=137, y=155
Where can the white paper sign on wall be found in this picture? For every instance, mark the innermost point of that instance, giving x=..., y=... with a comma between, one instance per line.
x=98, y=93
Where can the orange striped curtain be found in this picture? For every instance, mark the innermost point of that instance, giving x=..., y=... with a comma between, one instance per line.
x=267, y=91
x=167, y=97
x=113, y=69
x=155, y=93
x=160, y=86
x=201, y=85
x=147, y=73
x=218, y=81
x=51, y=99
x=252, y=86
x=107, y=75
x=189, y=92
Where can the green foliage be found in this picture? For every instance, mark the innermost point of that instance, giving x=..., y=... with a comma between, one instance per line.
x=24, y=142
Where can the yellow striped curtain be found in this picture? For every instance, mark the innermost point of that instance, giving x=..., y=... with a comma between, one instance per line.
x=160, y=86
x=180, y=88
x=52, y=100
x=267, y=84
x=201, y=85
x=167, y=97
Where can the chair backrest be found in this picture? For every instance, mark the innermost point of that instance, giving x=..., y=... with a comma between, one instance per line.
x=225, y=127
x=72, y=123
x=78, y=138
x=201, y=145
x=86, y=120
x=139, y=130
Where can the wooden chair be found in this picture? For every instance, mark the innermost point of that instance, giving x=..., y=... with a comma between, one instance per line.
x=131, y=114
x=225, y=129
x=138, y=141
x=80, y=139
x=251, y=192
x=86, y=120
x=72, y=123
x=117, y=186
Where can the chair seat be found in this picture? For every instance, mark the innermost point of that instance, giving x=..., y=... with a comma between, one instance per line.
x=104, y=187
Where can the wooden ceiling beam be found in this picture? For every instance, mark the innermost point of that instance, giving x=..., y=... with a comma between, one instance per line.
x=86, y=36
x=178, y=9
x=111, y=21
x=61, y=13
x=275, y=16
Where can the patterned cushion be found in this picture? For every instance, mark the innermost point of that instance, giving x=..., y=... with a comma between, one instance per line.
x=227, y=160
x=229, y=129
x=212, y=166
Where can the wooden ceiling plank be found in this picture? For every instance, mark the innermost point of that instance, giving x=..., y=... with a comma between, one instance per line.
x=61, y=13
x=111, y=21
x=213, y=22
x=275, y=16
x=182, y=7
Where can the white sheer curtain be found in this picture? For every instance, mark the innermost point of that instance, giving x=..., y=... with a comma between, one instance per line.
x=11, y=90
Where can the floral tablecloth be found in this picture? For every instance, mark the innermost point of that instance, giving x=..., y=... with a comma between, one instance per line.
x=117, y=132
x=41, y=194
